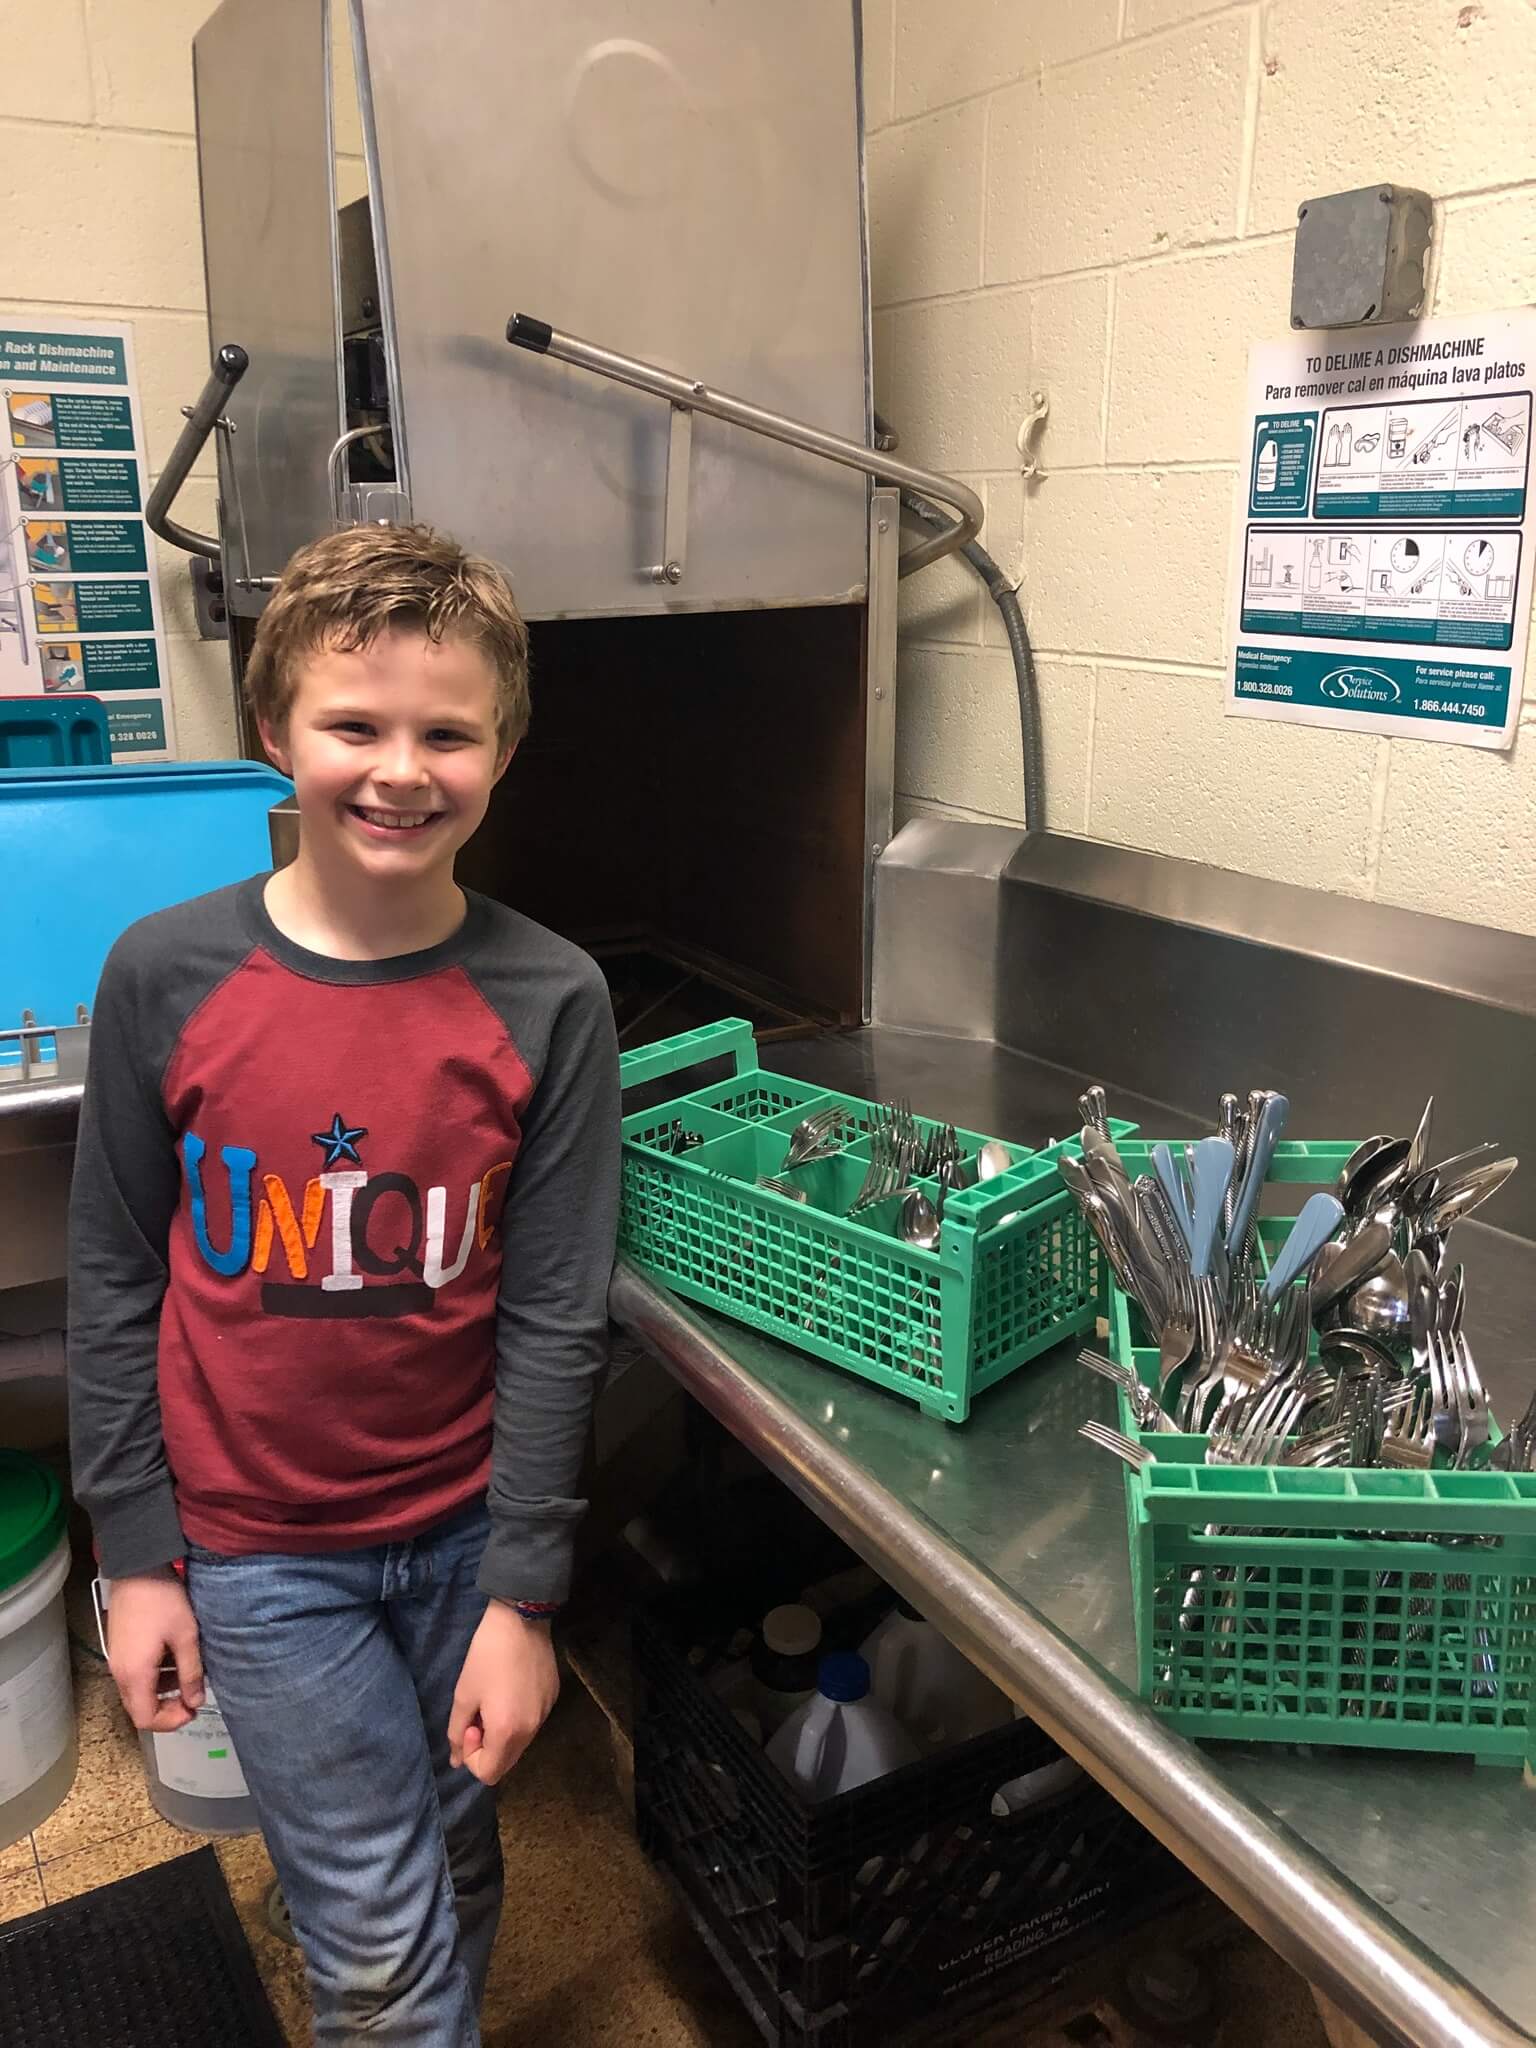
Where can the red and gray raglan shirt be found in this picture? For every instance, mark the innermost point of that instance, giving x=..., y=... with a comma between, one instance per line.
x=340, y=1240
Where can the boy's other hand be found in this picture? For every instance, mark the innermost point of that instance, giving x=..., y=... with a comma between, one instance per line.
x=150, y=1623
x=505, y=1691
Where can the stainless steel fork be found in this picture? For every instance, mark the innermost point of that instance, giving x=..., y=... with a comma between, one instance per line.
x=1145, y=1406
x=1180, y=1327
x=1256, y=1433
x=1512, y=1453
x=1137, y=1456
x=815, y=1137
x=1261, y=1341
x=1471, y=1401
x=1406, y=1438
x=892, y=1144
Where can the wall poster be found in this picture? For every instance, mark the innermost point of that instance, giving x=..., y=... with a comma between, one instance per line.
x=79, y=606
x=1382, y=572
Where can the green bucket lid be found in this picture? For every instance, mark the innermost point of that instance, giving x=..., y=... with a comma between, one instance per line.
x=31, y=1516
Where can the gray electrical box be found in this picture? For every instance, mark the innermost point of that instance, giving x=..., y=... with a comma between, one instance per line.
x=1360, y=257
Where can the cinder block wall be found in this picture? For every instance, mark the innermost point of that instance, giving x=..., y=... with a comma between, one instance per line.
x=99, y=217
x=1096, y=200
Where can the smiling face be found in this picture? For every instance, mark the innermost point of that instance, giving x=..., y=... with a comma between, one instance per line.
x=393, y=751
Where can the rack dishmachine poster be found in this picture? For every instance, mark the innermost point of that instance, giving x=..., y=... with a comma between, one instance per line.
x=79, y=607
x=1382, y=566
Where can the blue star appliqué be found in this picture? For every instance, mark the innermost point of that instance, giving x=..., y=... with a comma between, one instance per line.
x=340, y=1141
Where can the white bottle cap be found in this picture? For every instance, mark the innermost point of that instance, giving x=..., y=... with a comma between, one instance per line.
x=791, y=1631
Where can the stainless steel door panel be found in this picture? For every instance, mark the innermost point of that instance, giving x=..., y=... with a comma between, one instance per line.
x=681, y=182
x=269, y=226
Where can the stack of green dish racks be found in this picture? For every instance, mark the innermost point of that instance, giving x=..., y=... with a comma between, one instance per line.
x=1379, y=1609
x=1015, y=1270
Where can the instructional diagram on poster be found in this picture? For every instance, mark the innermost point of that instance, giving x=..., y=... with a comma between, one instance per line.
x=79, y=610
x=1383, y=573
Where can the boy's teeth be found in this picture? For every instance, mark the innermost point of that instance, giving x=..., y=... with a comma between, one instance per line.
x=397, y=819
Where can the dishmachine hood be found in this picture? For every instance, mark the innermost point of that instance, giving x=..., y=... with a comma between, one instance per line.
x=602, y=312
x=681, y=179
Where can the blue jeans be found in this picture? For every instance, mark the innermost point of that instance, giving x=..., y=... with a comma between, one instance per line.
x=336, y=1674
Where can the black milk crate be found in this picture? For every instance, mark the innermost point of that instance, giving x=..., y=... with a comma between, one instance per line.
x=908, y=1900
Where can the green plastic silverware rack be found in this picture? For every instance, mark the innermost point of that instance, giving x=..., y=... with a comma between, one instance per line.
x=1015, y=1272
x=1276, y=1604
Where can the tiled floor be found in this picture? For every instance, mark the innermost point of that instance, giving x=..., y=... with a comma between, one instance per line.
x=593, y=1952
x=607, y=1961
x=107, y=1828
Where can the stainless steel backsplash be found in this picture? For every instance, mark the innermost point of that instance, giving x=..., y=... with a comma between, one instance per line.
x=1175, y=981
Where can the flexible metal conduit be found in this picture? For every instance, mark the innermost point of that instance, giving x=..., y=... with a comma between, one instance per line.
x=1003, y=595
x=1377, y=1972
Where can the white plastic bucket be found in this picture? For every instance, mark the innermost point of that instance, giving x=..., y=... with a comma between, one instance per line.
x=194, y=1777
x=38, y=1745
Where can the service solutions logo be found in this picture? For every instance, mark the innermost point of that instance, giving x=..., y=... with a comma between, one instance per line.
x=1360, y=686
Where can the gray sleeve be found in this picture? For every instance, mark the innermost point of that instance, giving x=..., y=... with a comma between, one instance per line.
x=558, y=1233
x=123, y=1197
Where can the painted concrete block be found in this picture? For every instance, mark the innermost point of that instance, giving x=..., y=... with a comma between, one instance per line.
x=1124, y=562
x=1456, y=832
x=960, y=379
x=47, y=70
x=1173, y=774
x=925, y=189
x=141, y=62
x=98, y=218
x=1180, y=363
x=944, y=53
x=1436, y=92
x=1485, y=256
x=1131, y=153
x=957, y=732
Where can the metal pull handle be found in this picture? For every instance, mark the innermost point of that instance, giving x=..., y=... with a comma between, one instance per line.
x=356, y=504
x=686, y=396
x=229, y=366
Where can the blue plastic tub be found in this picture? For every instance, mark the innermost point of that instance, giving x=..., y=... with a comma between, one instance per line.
x=53, y=732
x=86, y=851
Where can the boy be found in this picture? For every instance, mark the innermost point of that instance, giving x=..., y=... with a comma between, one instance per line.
x=341, y=1231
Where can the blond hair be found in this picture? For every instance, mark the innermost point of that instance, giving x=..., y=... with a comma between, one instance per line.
x=345, y=589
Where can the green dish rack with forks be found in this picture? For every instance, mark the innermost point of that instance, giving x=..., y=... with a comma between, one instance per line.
x=1366, y=1608
x=1016, y=1269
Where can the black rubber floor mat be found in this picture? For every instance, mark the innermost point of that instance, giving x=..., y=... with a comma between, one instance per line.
x=158, y=1960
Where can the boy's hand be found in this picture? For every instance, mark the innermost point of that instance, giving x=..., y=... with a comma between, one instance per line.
x=504, y=1694
x=149, y=1623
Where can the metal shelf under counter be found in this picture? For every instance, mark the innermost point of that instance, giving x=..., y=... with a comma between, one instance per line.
x=1402, y=1886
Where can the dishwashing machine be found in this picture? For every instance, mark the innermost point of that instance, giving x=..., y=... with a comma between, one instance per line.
x=588, y=287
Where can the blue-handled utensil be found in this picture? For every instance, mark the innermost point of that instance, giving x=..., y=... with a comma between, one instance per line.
x=1211, y=1165
x=1320, y=1217
x=1171, y=1182
x=1261, y=1150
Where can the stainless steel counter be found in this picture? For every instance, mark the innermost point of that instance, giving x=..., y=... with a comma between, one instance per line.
x=1403, y=1885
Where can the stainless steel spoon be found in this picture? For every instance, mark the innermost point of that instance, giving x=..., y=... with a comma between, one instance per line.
x=992, y=1159
x=920, y=1221
x=1366, y=1168
x=1469, y=1192
x=1339, y=1268
x=1378, y=1304
x=1361, y=1350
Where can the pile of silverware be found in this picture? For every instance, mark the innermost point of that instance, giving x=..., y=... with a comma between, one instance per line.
x=901, y=1152
x=1390, y=1379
